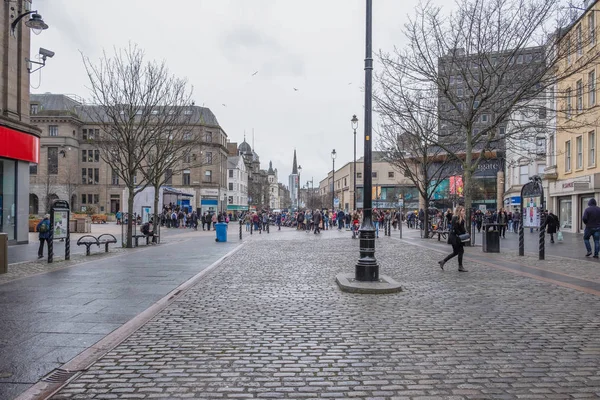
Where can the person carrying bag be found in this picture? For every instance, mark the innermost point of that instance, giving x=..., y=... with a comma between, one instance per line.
x=458, y=235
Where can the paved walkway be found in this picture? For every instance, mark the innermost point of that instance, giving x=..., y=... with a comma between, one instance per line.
x=270, y=322
x=49, y=318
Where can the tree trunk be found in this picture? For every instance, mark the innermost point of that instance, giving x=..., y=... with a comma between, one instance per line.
x=467, y=185
x=129, y=243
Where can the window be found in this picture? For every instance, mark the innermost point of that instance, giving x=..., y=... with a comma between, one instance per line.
x=390, y=174
x=540, y=145
x=523, y=174
x=592, y=88
x=551, y=150
x=502, y=131
x=84, y=134
x=520, y=59
x=114, y=178
x=84, y=176
x=33, y=169
x=208, y=158
x=231, y=173
x=569, y=51
x=83, y=155
x=569, y=103
x=528, y=58
x=53, y=130
x=186, y=178
x=83, y=199
x=374, y=175
x=579, y=100
x=52, y=160
x=90, y=198
x=90, y=175
x=568, y=156
x=579, y=40
x=476, y=104
x=592, y=28
x=96, y=198
x=484, y=118
x=542, y=113
x=135, y=179
x=208, y=137
x=230, y=186
x=579, y=144
x=359, y=175
x=96, y=176
x=33, y=109
x=169, y=177
x=97, y=155
x=459, y=92
x=591, y=149
x=187, y=136
x=208, y=176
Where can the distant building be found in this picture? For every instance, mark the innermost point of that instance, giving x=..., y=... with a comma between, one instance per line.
x=294, y=182
x=237, y=184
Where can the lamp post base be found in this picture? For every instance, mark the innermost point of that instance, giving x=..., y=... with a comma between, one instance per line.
x=367, y=269
x=384, y=285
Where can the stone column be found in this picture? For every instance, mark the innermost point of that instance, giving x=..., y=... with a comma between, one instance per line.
x=500, y=189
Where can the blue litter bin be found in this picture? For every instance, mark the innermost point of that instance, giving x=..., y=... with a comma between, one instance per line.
x=221, y=229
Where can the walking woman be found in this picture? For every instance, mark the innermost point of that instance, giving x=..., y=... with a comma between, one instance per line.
x=457, y=229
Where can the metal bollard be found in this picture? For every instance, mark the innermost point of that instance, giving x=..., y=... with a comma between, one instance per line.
x=268, y=227
x=251, y=226
x=241, y=229
x=542, y=244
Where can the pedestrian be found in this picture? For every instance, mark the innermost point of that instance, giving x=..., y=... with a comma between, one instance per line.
x=591, y=219
x=458, y=248
x=44, y=233
x=317, y=221
x=516, y=220
x=503, y=222
x=552, y=224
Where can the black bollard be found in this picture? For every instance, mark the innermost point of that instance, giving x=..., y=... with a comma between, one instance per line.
x=251, y=226
x=241, y=229
x=542, y=249
x=268, y=228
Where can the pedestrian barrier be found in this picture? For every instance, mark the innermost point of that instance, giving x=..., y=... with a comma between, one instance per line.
x=241, y=229
x=3, y=253
x=89, y=240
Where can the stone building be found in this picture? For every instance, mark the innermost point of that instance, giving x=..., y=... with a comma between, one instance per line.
x=19, y=139
x=71, y=166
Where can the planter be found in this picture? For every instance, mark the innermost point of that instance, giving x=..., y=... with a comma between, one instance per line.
x=33, y=224
x=111, y=218
x=99, y=219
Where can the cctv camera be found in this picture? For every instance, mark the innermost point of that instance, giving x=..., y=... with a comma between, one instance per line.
x=46, y=53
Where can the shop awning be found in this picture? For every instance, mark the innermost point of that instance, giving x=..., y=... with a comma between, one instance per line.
x=170, y=190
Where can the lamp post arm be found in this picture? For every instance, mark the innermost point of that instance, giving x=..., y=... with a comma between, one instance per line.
x=13, y=26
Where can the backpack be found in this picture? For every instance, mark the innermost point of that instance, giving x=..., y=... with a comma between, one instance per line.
x=43, y=227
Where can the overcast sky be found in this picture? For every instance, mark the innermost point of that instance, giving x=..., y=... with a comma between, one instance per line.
x=316, y=46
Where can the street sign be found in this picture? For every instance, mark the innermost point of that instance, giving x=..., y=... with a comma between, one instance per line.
x=336, y=202
x=401, y=203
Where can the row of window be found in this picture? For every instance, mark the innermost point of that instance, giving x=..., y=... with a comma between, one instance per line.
x=591, y=150
x=90, y=176
x=591, y=26
x=90, y=134
x=237, y=186
x=579, y=88
x=90, y=155
x=90, y=198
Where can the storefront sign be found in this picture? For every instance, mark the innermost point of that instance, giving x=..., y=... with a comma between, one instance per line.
x=209, y=192
x=19, y=145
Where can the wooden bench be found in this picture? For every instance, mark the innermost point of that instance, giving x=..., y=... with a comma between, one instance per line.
x=87, y=241
x=106, y=239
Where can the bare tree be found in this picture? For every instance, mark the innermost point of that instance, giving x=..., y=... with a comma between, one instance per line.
x=490, y=62
x=137, y=104
x=49, y=189
x=408, y=136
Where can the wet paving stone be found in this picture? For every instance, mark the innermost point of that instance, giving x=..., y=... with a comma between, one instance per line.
x=270, y=322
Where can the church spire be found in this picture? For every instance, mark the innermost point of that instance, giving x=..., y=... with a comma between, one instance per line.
x=295, y=165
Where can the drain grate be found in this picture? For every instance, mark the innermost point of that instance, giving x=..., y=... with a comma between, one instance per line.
x=59, y=376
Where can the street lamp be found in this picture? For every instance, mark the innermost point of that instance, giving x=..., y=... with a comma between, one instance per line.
x=333, y=156
x=298, y=185
x=354, y=121
x=367, y=268
x=35, y=22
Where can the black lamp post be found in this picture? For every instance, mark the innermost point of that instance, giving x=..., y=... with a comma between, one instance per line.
x=298, y=185
x=367, y=268
x=354, y=121
x=333, y=156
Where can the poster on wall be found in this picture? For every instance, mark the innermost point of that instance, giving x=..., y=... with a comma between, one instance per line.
x=531, y=214
x=61, y=221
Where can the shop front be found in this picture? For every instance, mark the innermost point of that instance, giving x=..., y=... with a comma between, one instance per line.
x=568, y=199
x=17, y=151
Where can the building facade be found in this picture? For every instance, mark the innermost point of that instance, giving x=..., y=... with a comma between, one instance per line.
x=19, y=139
x=390, y=189
x=294, y=183
x=574, y=172
x=274, y=195
x=237, y=182
x=71, y=167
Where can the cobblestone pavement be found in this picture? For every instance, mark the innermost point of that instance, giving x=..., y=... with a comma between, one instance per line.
x=270, y=322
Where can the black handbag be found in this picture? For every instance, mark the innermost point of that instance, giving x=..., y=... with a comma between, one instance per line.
x=465, y=237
